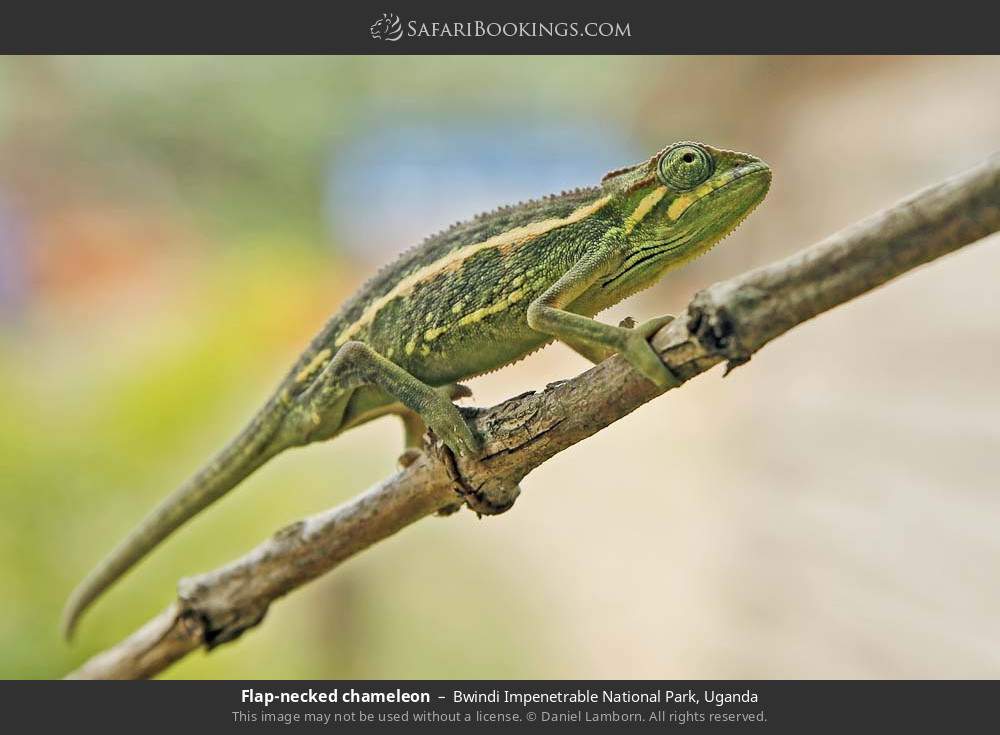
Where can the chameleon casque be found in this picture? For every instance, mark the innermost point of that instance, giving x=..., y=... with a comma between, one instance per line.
x=471, y=299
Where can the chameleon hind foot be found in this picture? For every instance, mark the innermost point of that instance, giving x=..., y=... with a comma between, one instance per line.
x=408, y=457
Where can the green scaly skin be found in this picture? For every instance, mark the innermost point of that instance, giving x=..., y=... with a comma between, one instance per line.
x=472, y=299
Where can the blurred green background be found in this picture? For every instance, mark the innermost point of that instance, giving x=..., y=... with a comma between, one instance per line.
x=173, y=231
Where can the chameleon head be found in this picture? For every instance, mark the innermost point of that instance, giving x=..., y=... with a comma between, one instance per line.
x=679, y=203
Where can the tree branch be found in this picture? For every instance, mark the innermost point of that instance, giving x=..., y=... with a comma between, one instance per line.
x=728, y=321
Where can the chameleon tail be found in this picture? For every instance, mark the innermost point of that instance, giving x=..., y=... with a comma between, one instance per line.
x=254, y=446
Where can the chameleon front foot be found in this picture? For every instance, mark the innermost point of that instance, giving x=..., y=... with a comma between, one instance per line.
x=641, y=355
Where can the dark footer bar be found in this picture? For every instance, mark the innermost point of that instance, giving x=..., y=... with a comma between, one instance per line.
x=249, y=706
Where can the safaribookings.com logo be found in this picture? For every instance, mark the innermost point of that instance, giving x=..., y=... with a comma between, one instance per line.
x=390, y=28
x=387, y=28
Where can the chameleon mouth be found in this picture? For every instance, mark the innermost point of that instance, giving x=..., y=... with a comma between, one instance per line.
x=680, y=206
x=724, y=187
x=730, y=217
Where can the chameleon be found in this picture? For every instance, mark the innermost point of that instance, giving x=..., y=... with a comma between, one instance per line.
x=469, y=300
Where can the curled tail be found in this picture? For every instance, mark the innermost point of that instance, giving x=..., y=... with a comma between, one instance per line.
x=256, y=444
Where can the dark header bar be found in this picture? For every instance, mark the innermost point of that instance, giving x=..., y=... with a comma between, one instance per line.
x=509, y=28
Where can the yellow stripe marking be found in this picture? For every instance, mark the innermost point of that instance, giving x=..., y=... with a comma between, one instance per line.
x=479, y=314
x=645, y=207
x=679, y=205
x=432, y=334
x=453, y=260
x=476, y=316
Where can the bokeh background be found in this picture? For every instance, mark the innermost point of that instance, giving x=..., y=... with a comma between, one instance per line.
x=173, y=231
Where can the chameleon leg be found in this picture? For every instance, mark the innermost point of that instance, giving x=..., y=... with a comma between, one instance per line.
x=356, y=364
x=548, y=314
x=594, y=353
x=414, y=426
x=368, y=404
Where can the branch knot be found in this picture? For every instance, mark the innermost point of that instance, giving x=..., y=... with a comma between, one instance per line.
x=493, y=496
x=713, y=325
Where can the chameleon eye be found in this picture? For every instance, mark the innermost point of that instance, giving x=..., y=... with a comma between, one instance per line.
x=684, y=166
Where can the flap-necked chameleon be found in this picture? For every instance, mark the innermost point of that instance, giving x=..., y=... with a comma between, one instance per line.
x=474, y=298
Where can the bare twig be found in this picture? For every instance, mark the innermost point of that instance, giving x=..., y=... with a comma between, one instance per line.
x=728, y=321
